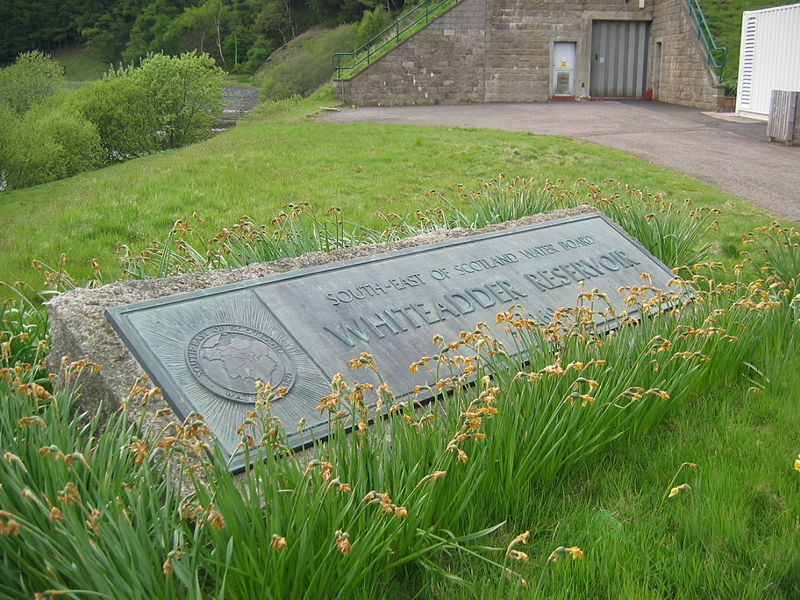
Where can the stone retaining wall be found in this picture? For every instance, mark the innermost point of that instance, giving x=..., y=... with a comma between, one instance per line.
x=686, y=78
x=500, y=51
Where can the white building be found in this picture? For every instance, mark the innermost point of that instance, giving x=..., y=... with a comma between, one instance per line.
x=769, y=59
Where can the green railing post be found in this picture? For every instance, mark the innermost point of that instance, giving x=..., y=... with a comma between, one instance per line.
x=394, y=31
x=717, y=57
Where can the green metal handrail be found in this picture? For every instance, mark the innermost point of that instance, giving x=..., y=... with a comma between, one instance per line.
x=717, y=56
x=378, y=45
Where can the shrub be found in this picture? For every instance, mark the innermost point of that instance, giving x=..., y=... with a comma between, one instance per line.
x=49, y=143
x=372, y=23
x=185, y=89
x=126, y=119
x=32, y=78
x=165, y=103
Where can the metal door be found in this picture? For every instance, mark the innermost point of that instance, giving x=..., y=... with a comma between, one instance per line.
x=564, y=68
x=619, y=59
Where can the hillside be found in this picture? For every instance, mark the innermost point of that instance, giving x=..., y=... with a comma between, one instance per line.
x=304, y=63
x=725, y=19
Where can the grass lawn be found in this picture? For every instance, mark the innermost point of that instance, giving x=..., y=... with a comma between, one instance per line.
x=259, y=166
x=732, y=535
x=81, y=65
x=580, y=446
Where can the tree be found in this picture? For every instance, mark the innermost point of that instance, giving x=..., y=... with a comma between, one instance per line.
x=201, y=27
x=32, y=78
x=275, y=17
x=150, y=29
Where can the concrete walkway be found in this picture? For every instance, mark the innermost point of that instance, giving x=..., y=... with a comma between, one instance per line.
x=727, y=152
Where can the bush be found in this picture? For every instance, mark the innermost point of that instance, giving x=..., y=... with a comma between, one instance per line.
x=167, y=102
x=48, y=143
x=123, y=114
x=372, y=23
x=30, y=80
x=186, y=91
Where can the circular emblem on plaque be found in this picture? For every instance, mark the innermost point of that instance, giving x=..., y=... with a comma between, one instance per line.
x=229, y=359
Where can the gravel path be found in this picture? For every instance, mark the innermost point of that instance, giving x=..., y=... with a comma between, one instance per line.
x=727, y=152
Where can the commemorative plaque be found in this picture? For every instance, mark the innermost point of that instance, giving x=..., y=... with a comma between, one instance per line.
x=206, y=349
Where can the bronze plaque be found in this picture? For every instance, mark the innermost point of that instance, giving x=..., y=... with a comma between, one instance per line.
x=207, y=349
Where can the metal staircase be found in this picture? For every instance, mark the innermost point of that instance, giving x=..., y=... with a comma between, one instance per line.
x=347, y=64
x=717, y=56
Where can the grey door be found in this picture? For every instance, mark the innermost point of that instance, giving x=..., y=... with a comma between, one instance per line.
x=619, y=59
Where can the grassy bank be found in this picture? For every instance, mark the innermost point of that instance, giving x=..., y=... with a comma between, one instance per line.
x=653, y=462
x=261, y=165
x=81, y=65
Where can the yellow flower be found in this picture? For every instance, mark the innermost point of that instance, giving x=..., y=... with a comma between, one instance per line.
x=678, y=489
x=576, y=552
x=797, y=464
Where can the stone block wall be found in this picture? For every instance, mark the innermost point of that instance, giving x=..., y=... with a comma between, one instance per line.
x=500, y=51
x=444, y=62
x=686, y=78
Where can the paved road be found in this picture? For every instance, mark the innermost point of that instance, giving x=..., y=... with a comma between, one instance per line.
x=730, y=153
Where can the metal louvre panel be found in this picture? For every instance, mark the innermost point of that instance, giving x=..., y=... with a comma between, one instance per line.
x=747, y=59
x=619, y=59
x=770, y=57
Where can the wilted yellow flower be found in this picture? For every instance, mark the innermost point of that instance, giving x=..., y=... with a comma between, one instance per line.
x=140, y=448
x=216, y=520
x=10, y=457
x=342, y=487
x=576, y=552
x=518, y=555
x=522, y=538
x=343, y=542
x=678, y=489
x=11, y=527
x=432, y=477
x=278, y=542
